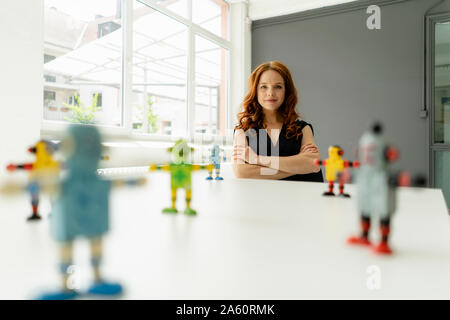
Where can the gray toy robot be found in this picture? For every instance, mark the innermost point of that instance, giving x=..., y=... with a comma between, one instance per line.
x=376, y=186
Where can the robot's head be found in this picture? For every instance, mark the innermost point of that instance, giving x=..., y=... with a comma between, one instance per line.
x=374, y=150
x=82, y=146
x=215, y=150
x=43, y=148
x=181, y=151
x=377, y=128
x=335, y=152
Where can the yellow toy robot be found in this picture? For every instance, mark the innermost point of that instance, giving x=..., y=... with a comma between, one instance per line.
x=44, y=165
x=334, y=169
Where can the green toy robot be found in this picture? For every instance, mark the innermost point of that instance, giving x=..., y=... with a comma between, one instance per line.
x=180, y=174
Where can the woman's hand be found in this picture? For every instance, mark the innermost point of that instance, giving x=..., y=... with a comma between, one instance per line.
x=309, y=148
x=244, y=154
x=240, y=154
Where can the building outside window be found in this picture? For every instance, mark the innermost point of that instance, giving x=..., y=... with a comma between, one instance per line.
x=48, y=58
x=49, y=98
x=73, y=100
x=49, y=78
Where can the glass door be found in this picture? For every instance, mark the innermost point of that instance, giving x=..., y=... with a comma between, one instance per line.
x=439, y=88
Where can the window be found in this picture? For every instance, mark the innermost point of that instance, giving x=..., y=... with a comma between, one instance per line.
x=211, y=15
x=210, y=87
x=98, y=96
x=159, y=73
x=49, y=95
x=49, y=78
x=166, y=127
x=176, y=83
x=73, y=100
x=49, y=101
x=84, y=38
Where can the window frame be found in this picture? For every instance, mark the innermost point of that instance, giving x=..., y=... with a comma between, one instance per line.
x=54, y=129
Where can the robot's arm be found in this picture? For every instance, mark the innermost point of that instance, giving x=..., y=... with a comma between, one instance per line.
x=196, y=167
x=12, y=188
x=404, y=179
x=48, y=184
x=24, y=166
x=354, y=164
x=164, y=167
x=319, y=162
x=224, y=156
x=391, y=154
x=128, y=182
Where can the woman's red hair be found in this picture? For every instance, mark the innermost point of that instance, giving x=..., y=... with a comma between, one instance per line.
x=252, y=116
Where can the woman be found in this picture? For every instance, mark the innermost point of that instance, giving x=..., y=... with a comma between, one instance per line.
x=270, y=141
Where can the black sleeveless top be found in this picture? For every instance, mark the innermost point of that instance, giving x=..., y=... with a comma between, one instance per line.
x=261, y=143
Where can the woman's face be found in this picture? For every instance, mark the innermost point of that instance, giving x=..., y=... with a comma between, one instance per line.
x=271, y=90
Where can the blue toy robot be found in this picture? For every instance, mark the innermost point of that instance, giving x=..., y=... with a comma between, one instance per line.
x=81, y=209
x=215, y=160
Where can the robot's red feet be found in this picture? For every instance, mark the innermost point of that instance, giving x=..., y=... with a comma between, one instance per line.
x=359, y=240
x=34, y=217
x=344, y=195
x=382, y=248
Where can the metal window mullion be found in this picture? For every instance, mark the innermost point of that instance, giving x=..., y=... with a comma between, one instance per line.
x=127, y=65
x=441, y=147
x=430, y=98
x=191, y=84
x=228, y=120
x=211, y=36
x=188, y=22
x=189, y=7
x=166, y=12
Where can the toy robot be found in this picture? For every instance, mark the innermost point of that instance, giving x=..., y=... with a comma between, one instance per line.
x=81, y=208
x=334, y=169
x=376, y=186
x=215, y=161
x=180, y=174
x=44, y=164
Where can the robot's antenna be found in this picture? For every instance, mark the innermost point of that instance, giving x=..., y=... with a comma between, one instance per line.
x=377, y=128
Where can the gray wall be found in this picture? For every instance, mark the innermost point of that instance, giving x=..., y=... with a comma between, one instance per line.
x=348, y=76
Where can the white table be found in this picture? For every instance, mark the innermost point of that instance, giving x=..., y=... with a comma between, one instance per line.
x=251, y=239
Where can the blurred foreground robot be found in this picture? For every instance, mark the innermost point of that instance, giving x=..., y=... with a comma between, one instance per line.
x=80, y=207
x=377, y=186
